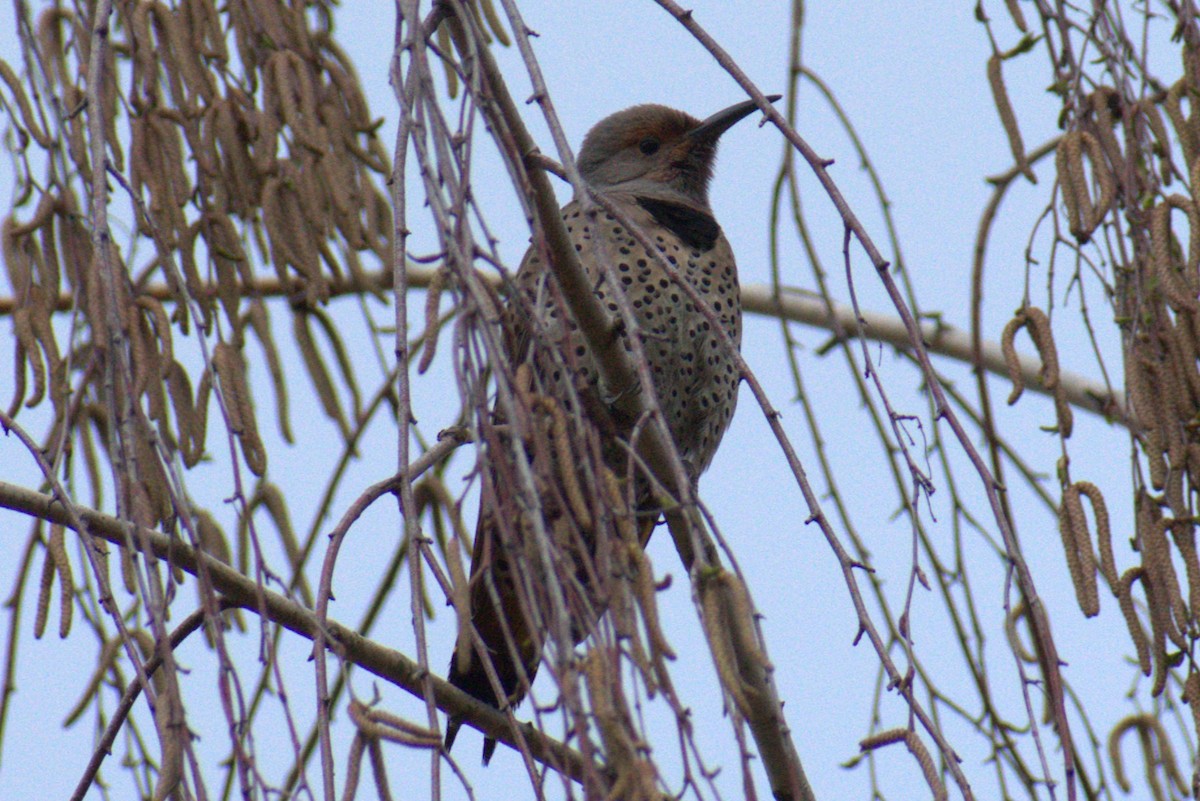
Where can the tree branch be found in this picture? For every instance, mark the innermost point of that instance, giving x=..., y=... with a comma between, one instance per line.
x=239, y=590
x=799, y=307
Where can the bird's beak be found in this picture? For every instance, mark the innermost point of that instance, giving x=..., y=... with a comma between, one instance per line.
x=711, y=129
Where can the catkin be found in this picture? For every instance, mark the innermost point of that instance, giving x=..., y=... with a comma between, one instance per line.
x=212, y=537
x=1008, y=117
x=342, y=357
x=379, y=724
x=719, y=642
x=1011, y=360
x=168, y=721
x=1183, y=533
x=318, y=372
x=1129, y=612
x=1156, y=751
x=429, y=339
x=1174, y=109
x=1083, y=215
x=1172, y=282
x=66, y=582
x=1160, y=568
x=261, y=326
x=1069, y=165
x=269, y=496
x=1191, y=696
x=31, y=125
x=567, y=467
x=228, y=259
x=1038, y=324
x=1139, y=375
x=239, y=405
x=1108, y=565
x=45, y=585
x=229, y=368
x=179, y=391
x=1018, y=17
x=1077, y=545
x=916, y=748
x=1184, y=356
x=28, y=354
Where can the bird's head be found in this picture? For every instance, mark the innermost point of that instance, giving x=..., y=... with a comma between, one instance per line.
x=656, y=151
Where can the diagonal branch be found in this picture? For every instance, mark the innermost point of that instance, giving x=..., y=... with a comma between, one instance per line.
x=1038, y=616
x=239, y=590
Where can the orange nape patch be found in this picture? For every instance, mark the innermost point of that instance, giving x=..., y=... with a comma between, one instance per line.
x=663, y=127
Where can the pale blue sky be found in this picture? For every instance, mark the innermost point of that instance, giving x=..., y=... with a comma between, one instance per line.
x=911, y=77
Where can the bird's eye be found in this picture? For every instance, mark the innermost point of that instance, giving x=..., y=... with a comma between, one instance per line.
x=649, y=146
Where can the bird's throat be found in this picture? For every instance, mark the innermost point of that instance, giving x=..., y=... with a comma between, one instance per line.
x=695, y=227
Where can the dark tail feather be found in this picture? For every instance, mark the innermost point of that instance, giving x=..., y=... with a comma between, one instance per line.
x=453, y=724
x=473, y=682
x=502, y=625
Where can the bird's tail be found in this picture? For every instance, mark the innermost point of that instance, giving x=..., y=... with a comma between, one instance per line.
x=474, y=682
x=503, y=624
x=503, y=617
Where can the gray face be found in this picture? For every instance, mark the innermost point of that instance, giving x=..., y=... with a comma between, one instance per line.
x=648, y=150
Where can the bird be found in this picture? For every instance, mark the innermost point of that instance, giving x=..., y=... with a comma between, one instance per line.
x=653, y=163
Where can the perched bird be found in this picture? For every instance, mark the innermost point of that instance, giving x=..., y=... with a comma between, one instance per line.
x=654, y=163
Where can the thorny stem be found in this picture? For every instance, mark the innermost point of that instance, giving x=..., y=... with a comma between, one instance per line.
x=1038, y=616
x=933, y=331
x=409, y=16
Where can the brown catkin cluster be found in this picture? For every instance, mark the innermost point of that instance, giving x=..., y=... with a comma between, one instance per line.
x=636, y=775
x=237, y=134
x=1163, y=381
x=1115, y=165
